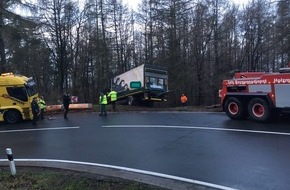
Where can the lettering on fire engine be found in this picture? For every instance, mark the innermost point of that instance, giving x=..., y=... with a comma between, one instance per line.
x=264, y=81
x=281, y=80
x=244, y=82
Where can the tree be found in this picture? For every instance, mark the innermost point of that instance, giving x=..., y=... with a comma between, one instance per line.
x=58, y=21
x=11, y=27
x=283, y=31
x=253, y=27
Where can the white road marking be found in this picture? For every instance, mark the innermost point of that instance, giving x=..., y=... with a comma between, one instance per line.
x=192, y=181
x=198, y=128
x=40, y=129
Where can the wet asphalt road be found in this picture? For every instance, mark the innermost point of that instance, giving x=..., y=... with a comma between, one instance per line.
x=208, y=147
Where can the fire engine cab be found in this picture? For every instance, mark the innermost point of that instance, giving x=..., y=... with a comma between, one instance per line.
x=257, y=95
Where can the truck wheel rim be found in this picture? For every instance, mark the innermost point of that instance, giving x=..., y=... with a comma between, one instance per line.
x=258, y=110
x=233, y=108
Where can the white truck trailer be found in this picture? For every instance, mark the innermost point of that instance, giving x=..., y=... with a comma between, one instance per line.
x=142, y=85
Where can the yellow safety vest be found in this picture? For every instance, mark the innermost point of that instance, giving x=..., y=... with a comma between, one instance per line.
x=113, y=95
x=103, y=99
x=41, y=104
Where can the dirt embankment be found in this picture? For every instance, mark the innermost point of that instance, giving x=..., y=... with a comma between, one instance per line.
x=156, y=107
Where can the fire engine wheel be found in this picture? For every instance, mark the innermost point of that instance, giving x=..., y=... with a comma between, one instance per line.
x=12, y=116
x=235, y=109
x=259, y=110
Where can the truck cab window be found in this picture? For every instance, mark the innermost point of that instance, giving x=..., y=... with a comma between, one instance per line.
x=153, y=81
x=18, y=93
x=160, y=82
x=31, y=90
x=156, y=83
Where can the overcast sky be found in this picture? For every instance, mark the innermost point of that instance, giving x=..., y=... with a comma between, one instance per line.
x=134, y=3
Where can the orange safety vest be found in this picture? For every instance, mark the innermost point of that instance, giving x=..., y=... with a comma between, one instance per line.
x=183, y=99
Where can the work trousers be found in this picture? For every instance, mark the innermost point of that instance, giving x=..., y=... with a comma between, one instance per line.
x=103, y=110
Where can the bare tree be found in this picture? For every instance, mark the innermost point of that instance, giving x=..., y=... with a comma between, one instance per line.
x=283, y=31
x=12, y=27
x=57, y=18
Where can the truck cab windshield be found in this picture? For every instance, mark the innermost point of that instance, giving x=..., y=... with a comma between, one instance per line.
x=156, y=83
x=31, y=88
x=31, y=91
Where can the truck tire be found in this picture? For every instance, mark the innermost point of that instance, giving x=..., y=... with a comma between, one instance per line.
x=130, y=100
x=12, y=116
x=235, y=109
x=259, y=110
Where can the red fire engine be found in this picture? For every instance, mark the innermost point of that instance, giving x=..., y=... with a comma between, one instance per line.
x=257, y=95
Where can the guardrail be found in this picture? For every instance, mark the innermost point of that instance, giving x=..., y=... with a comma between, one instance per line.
x=71, y=106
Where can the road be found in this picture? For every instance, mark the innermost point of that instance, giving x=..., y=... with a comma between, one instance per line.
x=207, y=147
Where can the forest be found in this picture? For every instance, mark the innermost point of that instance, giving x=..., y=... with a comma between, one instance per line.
x=77, y=47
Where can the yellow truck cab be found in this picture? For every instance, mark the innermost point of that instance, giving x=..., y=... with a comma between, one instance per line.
x=16, y=94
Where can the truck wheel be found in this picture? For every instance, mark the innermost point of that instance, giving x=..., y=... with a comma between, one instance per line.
x=11, y=116
x=130, y=100
x=235, y=109
x=259, y=109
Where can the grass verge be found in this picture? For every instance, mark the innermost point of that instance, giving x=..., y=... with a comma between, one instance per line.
x=34, y=178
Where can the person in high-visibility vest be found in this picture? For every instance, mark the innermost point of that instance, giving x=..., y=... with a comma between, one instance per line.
x=183, y=100
x=35, y=110
x=42, y=106
x=113, y=96
x=103, y=102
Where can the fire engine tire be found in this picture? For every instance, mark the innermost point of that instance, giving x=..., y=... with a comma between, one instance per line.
x=235, y=109
x=12, y=116
x=259, y=110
